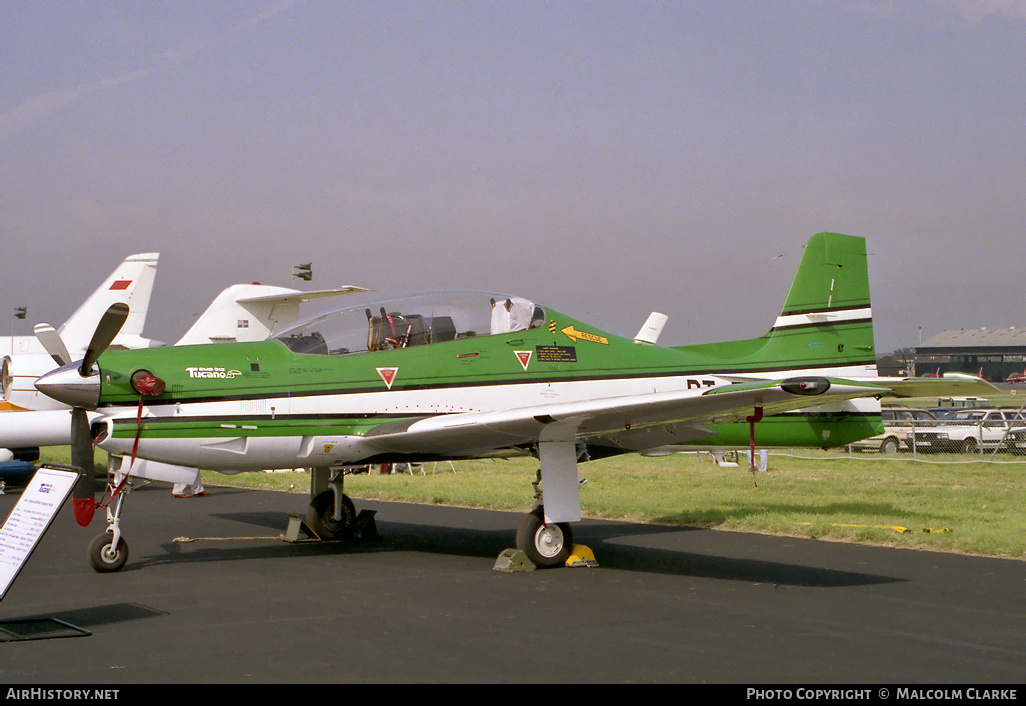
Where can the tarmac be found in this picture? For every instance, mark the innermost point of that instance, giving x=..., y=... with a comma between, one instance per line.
x=212, y=594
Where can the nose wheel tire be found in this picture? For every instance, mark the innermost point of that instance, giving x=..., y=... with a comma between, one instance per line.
x=321, y=516
x=104, y=557
x=545, y=544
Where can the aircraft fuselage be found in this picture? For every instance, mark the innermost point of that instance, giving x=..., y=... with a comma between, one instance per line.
x=260, y=405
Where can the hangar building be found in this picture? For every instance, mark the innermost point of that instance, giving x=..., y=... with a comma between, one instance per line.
x=993, y=353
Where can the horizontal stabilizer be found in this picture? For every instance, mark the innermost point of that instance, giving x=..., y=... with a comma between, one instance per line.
x=952, y=384
x=252, y=312
x=298, y=297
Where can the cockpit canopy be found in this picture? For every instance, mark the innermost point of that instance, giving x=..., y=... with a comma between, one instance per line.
x=411, y=320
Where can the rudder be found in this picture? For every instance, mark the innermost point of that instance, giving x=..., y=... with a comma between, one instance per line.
x=827, y=320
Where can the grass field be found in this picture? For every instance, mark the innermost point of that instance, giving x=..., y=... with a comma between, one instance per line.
x=945, y=505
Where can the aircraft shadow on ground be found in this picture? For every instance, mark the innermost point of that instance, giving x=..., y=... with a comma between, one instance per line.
x=100, y=615
x=476, y=542
x=601, y=539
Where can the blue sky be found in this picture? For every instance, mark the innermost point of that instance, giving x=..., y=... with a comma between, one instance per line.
x=605, y=158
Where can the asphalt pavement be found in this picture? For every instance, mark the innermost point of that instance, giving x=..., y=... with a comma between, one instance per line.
x=213, y=594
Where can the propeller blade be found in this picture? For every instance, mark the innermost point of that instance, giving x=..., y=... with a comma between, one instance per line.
x=53, y=343
x=110, y=324
x=83, y=496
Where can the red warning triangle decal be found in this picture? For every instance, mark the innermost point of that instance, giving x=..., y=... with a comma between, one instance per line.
x=388, y=375
x=524, y=357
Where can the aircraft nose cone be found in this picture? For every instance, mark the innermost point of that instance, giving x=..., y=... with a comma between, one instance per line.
x=70, y=387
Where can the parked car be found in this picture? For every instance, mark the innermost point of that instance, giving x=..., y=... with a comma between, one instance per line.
x=898, y=424
x=967, y=431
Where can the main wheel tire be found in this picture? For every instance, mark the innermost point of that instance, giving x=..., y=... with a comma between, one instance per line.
x=104, y=557
x=546, y=545
x=320, y=516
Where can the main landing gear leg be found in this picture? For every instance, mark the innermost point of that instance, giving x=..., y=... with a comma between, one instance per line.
x=545, y=535
x=331, y=513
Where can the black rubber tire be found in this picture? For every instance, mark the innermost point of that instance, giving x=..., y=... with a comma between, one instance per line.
x=546, y=545
x=319, y=516
x=103, y=557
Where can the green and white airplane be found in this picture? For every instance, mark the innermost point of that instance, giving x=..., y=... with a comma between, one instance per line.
x=450, y=376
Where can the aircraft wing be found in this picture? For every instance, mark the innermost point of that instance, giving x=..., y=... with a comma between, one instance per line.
x=689, y=411
x=952, y=384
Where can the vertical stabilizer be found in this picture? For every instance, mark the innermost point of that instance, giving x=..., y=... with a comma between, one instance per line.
x=825, y=325
x=131, y=283
x=826, y=320
x=832, y=281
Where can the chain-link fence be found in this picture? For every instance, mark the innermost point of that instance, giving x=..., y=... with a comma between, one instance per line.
x=978, y=432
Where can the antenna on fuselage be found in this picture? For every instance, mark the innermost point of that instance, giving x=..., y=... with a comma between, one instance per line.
x=649, y=333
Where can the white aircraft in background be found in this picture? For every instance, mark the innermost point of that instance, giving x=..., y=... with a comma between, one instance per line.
x=25, y=358
x=242, y=312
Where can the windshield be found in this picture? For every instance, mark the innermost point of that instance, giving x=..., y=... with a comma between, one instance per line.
x=411, y=320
